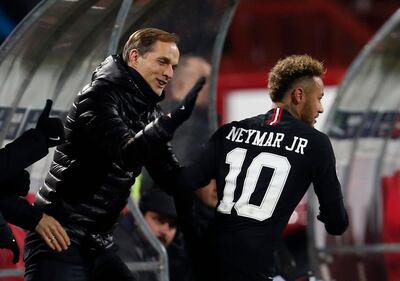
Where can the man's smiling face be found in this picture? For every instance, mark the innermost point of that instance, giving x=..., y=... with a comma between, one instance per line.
x=157, y=65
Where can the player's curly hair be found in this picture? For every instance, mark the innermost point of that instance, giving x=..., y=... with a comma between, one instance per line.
x=289, y=70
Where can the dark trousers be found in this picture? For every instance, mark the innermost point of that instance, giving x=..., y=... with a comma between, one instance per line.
x=73, y=265
x=66, y=265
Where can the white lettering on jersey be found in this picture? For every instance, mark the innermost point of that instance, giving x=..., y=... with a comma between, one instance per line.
x=251, y=132
x=278, y=139
x=269, y=140
x=298, y=145
x=240, y=135
x=232, y=134
x=302, y=144
x=260, y=138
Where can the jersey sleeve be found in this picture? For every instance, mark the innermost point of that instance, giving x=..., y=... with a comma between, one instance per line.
x=163, y=167
x=328, y=190
x=202, y=168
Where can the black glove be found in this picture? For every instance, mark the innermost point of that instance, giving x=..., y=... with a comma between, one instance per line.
x=50, y=127
x=160, y=130
x=183, y=111
x=17, y=185
x=7, y=240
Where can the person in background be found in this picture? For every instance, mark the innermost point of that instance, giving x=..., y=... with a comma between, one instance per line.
x=158, y=209
x=187, y=141
x=159, y=213
x=195, y=132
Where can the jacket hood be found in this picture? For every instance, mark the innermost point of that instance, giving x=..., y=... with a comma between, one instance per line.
x=114, y=70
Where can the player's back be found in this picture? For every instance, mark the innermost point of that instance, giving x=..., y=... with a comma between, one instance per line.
x=264, y=166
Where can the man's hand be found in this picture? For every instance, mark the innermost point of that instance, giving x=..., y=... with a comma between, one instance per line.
x=179, y=115
x=17, y=185
x=7, y=241
x=160, y=130
x=50, y=127
x=53, y=233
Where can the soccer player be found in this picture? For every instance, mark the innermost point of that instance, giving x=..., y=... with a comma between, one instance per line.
x=263, y=166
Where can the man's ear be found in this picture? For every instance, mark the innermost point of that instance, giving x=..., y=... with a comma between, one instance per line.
x=133, y=57
x=297, y=95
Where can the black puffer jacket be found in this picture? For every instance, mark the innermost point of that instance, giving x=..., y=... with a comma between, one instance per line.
x=90, y=177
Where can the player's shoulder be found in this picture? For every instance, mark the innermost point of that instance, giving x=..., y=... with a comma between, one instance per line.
x=311, y=131
x=320, y=141
x=319, y=136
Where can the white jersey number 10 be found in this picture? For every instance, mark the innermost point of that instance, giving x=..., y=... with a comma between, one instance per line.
x=273, y=190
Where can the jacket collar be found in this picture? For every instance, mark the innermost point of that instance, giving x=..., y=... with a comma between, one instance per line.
x=144, y=86
x=116, y=71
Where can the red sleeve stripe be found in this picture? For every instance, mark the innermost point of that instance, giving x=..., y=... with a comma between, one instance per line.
x=276, y=116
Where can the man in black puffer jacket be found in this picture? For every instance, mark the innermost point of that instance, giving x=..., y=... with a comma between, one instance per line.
x=114, y=128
